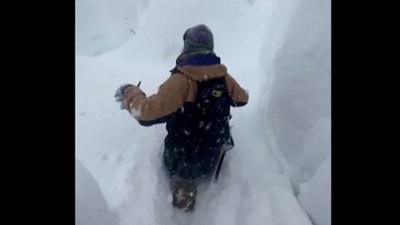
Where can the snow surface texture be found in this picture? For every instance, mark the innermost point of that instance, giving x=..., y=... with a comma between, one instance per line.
x=278, y=50
x=91, y=206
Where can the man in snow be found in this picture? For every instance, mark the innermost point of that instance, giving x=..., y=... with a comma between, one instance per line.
x=194, y=102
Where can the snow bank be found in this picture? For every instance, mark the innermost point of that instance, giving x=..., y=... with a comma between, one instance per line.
x=102, y=25
x=91, y=206
x=317, y=188
x=298, y=112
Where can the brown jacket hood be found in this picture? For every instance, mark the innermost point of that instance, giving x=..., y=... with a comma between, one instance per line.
x=199, y=73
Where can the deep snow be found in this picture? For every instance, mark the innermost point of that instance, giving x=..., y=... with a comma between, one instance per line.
x=254, y=39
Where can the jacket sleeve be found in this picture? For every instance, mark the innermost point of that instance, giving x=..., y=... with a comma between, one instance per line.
x=156, y=108
x=238, y=95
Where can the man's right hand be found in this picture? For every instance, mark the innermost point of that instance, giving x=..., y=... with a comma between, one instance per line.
x=119, y=95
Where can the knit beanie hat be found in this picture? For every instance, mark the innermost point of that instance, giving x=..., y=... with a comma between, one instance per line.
x=198, y=38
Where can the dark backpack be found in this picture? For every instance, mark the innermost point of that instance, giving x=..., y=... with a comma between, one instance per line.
x=206, y=120
x=198, y=131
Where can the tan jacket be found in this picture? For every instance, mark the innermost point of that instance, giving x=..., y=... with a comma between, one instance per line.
x=179, y=88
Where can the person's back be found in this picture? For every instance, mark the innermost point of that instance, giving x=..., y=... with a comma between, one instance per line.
x=195, y=103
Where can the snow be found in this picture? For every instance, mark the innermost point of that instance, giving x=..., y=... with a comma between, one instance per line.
x=318, y=187
x=298, y=113
x=278, y=50
x=91, y=206
x=135, y=113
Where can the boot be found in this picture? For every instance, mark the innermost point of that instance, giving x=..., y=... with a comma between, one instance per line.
x=183, y=194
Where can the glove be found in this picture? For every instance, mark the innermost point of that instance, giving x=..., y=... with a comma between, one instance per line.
x=119, y=95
